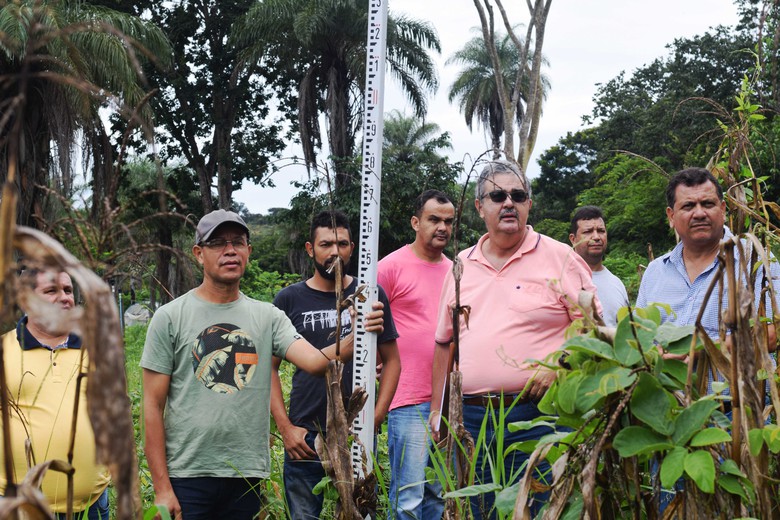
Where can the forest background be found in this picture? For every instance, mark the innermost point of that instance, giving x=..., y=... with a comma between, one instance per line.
x=226, y=85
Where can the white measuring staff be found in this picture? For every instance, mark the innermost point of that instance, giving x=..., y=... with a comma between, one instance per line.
x=364, y=371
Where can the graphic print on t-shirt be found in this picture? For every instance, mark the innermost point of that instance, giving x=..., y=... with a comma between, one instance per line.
x=325, y=319
x=224, y=358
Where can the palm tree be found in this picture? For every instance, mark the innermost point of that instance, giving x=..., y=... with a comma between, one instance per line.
x=60, y=62
x=408, y=138
x=475, y=86
x=323, y=42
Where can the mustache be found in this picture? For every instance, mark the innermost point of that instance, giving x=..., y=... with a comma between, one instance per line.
x=508, y=212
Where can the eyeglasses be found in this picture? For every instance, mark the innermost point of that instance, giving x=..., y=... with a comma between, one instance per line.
x=221, y=243
x=499, y=196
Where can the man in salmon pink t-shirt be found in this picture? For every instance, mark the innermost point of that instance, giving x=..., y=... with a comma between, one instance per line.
x=412, y=277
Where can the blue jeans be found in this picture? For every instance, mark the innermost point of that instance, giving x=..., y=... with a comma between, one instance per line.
x=491, y=455
x=408, y=440
x=207, y=498
x=98, y=510
x=300, y=477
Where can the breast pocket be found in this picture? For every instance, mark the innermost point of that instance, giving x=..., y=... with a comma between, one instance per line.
x=531, y=297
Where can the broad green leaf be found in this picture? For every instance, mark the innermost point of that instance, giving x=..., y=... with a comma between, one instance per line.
x=772, y=437
x=506, y=498
x=730, y=467
x=594, y=388
x=592, y=346
x=652, y=405
x=755, y=441
x=547, y=404
x=626, y=349
x=677, y=370
x=732, y=485
x=653, y=312
x=710, y=436
x=472, y=491
x=155, y=510
x=638, y=440
x=673, y=466
x=615, y=379
x=567, y=392
x=669, y=333
x=701, y=468
x=573, y=511
x=691, y=420
x=682, y=346
x=536, y=421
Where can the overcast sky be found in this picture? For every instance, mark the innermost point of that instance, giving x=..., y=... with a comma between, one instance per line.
x=587, y=42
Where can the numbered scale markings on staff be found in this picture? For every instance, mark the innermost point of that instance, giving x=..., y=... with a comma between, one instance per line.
x=364, y=373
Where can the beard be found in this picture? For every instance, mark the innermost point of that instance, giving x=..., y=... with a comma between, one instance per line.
x=323, y=269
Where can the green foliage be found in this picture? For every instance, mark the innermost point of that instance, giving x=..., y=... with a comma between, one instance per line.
x=412, y=162
x=625, y=394
x=67, y=59
x=321, y=46
x=264, y=285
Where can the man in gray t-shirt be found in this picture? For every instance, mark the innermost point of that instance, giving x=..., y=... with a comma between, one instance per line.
x=588, y=237
x=207, y=381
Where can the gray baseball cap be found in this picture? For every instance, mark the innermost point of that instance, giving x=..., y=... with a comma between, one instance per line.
x=211, y=221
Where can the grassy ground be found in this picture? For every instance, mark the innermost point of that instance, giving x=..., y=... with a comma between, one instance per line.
x=273, y=487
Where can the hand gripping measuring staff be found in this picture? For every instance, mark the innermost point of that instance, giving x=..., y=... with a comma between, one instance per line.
x=364, y=371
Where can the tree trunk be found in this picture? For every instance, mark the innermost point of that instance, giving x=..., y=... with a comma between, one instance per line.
x=339, y=135
x=510, y=101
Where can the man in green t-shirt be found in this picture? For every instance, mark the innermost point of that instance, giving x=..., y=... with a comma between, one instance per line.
x=206, y=374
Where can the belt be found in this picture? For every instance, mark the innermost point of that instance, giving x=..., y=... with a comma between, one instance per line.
x=495, y=400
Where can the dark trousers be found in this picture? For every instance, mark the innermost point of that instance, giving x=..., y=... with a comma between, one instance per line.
x=98, y=510
x=491, y=455
x=300, y=477
x=210, y=498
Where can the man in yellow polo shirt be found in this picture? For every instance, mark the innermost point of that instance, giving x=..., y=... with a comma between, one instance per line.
x=42, y=367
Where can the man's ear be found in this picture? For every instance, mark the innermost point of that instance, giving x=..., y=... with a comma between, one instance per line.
x=669, y=216
x=571, y=238
x=310, y=249
x=198, y=252
x=415, y=222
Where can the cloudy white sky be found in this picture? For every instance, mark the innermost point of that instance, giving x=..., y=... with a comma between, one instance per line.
x=587, y=42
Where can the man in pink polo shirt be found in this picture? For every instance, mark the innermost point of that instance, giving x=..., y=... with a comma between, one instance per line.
x=522, y=288
x=412, y=277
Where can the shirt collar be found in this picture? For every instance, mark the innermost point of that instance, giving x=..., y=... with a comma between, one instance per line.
x=28, y=341
x=530, y=242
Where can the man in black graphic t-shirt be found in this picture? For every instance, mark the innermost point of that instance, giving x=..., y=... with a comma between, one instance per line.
x=311, y=306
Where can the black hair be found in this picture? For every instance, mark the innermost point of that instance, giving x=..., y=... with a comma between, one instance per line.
x=427, y=195
x=327, y=219
x=690, y=177
x=584, y=213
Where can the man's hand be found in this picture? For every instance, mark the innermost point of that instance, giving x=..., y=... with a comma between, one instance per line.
x=169, y=500
x=538, y=384
x=294, y=438
x=433, y=424
x=374, y=321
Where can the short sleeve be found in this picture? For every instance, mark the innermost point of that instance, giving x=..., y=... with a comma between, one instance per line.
x=444, y=319
x=389, y=333
x=158, y=354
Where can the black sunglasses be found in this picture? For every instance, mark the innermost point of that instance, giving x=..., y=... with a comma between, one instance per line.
x=499, y=196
